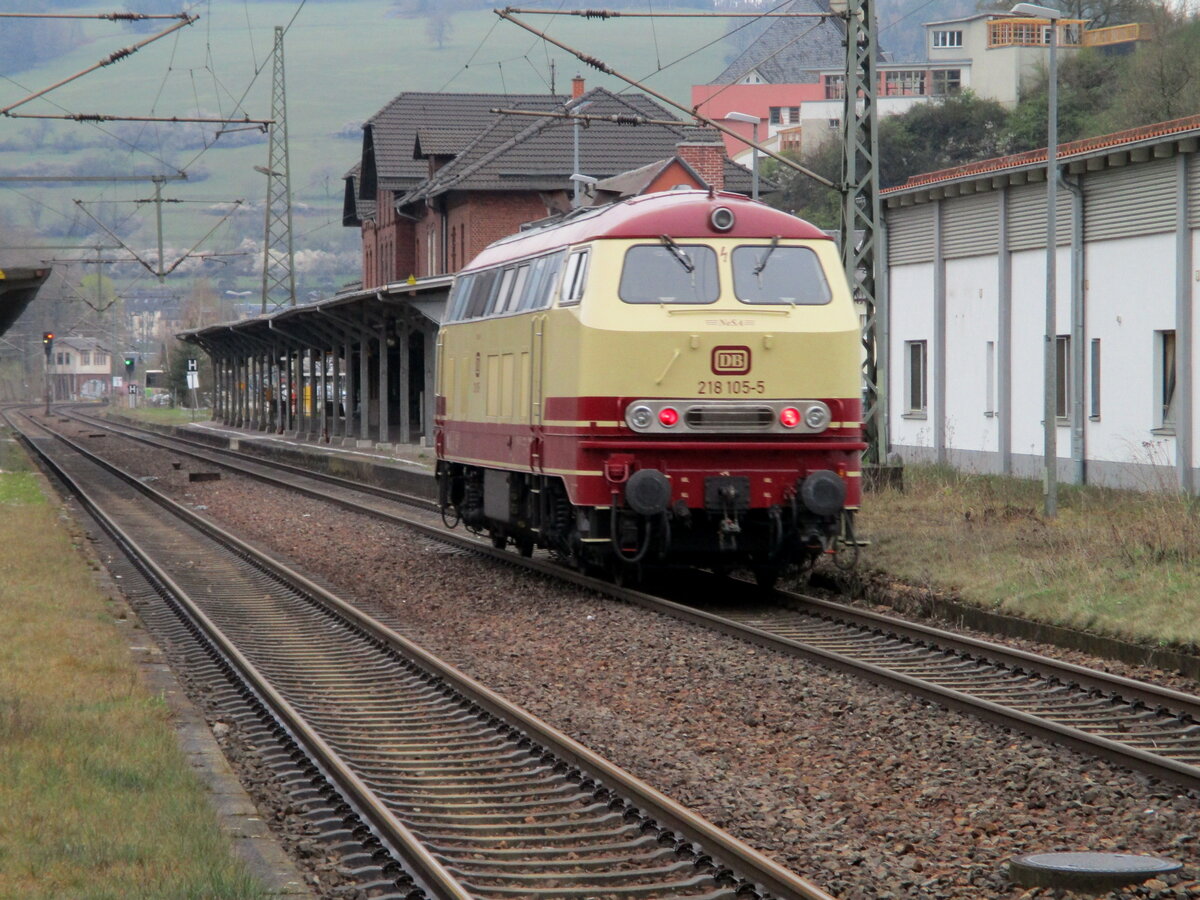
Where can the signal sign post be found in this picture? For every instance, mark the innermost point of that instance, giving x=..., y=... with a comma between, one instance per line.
x=193, y=382
x=47, y=345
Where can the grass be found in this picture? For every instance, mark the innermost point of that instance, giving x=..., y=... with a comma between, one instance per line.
x=96, y=798
x=1122, y=563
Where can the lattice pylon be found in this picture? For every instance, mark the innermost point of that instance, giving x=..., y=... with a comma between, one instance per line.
x=861, y=226
x=279, y=276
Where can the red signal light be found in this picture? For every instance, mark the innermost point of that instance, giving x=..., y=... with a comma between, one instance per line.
x=668, y=416
x=789, y=417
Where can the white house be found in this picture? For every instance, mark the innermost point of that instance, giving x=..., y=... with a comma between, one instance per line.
x=79, y=369
x=965, y=282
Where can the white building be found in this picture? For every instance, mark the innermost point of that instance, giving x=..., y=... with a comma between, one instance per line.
x=79, y=369
x=965, y=282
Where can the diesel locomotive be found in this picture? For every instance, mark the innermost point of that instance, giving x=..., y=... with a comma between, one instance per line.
x=673, y=379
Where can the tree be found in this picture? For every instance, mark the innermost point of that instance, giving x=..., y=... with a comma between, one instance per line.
x=1085, y=91
x=1162, y=79
x=939, y=135
x=438, y=27
x=803, y=196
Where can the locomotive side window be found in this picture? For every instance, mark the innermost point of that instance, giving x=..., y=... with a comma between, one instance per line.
x=575, y=277
x=481, y=293
x=676, y=273
x=502, y=295
x=513, y=301
x=768, y=273
x=540, y=285
x=457, y=304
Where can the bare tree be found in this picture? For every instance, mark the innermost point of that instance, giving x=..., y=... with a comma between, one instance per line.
x=438, y=28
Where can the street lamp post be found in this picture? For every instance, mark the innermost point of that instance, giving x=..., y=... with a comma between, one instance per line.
x=1049, y=362
x=753, y=121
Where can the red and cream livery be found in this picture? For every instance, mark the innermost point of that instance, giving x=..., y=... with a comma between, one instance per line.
x=670, y=379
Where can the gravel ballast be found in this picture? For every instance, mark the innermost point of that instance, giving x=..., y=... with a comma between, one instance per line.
x=867, y=792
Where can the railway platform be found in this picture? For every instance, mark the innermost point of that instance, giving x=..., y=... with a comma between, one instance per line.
x=408, y=468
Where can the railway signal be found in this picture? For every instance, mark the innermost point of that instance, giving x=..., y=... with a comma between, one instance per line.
x=47, y=342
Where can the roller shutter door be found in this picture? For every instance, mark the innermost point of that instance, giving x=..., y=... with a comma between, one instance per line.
x=1135, y=199
x=910, y=234
x=970, y=225
x=1027, y=217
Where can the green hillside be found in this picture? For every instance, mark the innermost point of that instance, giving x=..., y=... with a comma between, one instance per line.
x=344, y=60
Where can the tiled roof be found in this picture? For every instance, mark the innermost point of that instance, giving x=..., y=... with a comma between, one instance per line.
x=516, y=152
x=441, y=141
x=1085, y=147
x=392, y=131
x=790, y=51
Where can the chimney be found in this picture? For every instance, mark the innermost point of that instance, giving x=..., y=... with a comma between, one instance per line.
x=707, y=156
x=576, y=87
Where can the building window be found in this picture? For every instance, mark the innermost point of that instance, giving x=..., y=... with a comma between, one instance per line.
x=85, y=358
x=791, y=139
x=793, y=115
x=945, y=82
x=1164, y=365
x=1062, y=377
x=835, y=87
x=776, y=115
x=904, y=83
x=947, y=39
x=1094, y=411
x=835, y=123
x=915, y=377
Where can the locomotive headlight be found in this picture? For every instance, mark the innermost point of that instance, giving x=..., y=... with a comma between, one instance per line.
x=817, y=417
x=640, y=417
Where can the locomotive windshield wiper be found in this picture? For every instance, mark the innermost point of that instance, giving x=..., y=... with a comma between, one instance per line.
x=762, y=263
x=678, y=252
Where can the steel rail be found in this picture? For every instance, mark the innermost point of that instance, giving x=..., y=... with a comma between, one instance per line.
x=176, y=443
x=399, y=840
x=1188, y=706
x=731, y=852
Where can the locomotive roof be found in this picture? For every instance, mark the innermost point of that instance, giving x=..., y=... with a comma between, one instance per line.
x=680, y=214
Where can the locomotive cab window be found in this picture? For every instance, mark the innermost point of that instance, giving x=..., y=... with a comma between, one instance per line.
x=669, y=273
x=769, y=273
x=575, y=277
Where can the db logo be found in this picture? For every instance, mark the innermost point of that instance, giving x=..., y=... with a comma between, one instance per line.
x=730, y=360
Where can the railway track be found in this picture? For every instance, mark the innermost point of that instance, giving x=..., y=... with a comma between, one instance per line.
x=464, y=794
x=1138, y=725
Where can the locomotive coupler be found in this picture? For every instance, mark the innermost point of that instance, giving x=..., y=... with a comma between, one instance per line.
x=727, y=534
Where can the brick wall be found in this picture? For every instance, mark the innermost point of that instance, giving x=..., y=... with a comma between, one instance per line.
x=491, y=215
x=475, y=219
x=707, y=158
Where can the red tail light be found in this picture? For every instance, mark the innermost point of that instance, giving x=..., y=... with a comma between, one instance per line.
x=789, y=417
x=668, y=416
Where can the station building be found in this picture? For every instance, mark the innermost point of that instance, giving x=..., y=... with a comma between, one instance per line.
x=966, y=291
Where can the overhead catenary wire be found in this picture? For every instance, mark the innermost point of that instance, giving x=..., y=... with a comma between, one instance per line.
x=114, y=57
x=602, y=66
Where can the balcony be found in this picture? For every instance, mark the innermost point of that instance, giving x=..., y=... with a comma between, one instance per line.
x=1034, y=32
x=1117, y=34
